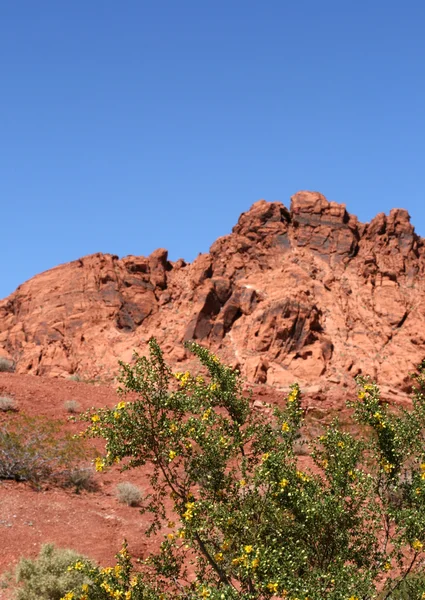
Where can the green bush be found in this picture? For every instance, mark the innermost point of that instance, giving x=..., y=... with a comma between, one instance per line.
x=47, y=577
x=128, y=493
x=251, y=522
x=36, y=449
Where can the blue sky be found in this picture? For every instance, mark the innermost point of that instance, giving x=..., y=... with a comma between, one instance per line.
x=128, y=126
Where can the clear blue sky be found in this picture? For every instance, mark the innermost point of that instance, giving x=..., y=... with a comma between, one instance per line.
x=127, y=126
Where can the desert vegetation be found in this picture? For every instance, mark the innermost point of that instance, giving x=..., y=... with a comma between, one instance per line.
x=6, y=365
x=240, y=511
x=38, y=450
x=48, y=576
x=128, y=493
x=248, y=519
x=8, y=404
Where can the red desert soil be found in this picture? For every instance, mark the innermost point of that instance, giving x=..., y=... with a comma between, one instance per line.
x=93, y=523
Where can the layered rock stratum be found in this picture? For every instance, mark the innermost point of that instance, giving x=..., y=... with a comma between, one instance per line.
x=305, y=293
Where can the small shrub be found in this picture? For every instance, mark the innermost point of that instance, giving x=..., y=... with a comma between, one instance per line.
x=7, y=404
x=75, y=377
x=36, y=449
x=72, y=406
x=81, y=479
x=128, y=493
x=47, y=577
x=6, y=365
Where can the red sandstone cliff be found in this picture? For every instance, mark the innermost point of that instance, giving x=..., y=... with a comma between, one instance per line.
x=307, y=294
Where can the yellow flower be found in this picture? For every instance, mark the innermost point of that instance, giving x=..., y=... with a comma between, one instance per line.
x=171, y=524
x=293, y=396
x=170, y=536
x=116, y=415
x=325, y=463
x=423, y=467
x=121, y=405
x=99, y=464
x=248, y=549
x=285, y=426
x=213, y=387
x=172, y=454
x=219, y=557
x=225, y=545
x=361, y=394
x=255, y=563
x=283, y=483
x=353, y=598
x=173, y=428
x=341, y=445
x=272, y=587
x=417, y=545
x=242, y=482
x=236, y=561
x=265, y=456
x=95, y=418
x=205, y=593
x=68, y=596
x=206, y=415
x=388, y=467
x=85, y=587
x=387, y=566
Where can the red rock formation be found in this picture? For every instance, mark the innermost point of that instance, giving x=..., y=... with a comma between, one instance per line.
x=307, y=294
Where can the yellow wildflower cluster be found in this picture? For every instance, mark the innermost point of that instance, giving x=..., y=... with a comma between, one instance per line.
x=172, y=454
x=423, y=471
x=417, y=545
x=272, y=587
x=213, y=387
x=206, y=414
x=283, y=483
x=188, y=514
x=387, y=466
x=99, y=464
x=183, y=378
x=285, y=427
x=301, y=475
x=293, y=396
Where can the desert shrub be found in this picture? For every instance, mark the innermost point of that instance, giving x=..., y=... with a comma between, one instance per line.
x=8, y=404
x=249, y=519
x=75, y=377
x=72, y=406
x=36, y=449
x=6, y=365
x=47, y=577
x=128, y=493
x=80, y=478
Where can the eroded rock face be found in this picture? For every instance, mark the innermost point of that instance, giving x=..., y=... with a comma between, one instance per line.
x=307, y=294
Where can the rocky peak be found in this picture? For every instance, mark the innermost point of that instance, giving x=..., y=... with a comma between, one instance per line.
x=306, y=293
